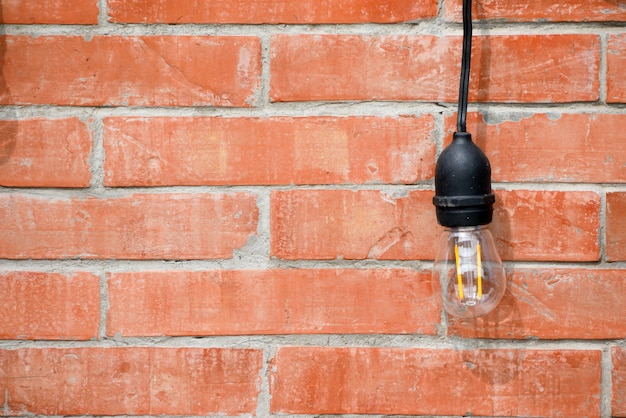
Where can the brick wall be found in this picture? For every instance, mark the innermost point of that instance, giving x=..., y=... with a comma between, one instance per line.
x=224, y=208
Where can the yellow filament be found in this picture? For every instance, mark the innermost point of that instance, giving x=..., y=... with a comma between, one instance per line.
x=458, y=271
x=479, y=267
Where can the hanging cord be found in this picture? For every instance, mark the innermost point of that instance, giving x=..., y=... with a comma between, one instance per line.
x=465, y=66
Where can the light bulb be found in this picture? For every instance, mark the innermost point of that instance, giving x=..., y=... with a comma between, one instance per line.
x=468, y=272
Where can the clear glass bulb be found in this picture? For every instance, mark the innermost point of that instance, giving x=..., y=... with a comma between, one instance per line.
x=468, y=272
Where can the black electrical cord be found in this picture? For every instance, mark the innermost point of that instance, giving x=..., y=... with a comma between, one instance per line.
x=466, y=57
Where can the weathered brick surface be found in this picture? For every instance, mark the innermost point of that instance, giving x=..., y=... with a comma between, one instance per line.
x=547, y=225
x=129, y=381
x=131, y=71
x=286, y=301
x=550, y=147
x=618, y=377
x=616, y=226
x=49, y=306
x=71, y=12
x=45, y=153
x=285, y=11
x=528, y=225
x=553, y=304
x=328, y=224
x=545, y=10
x=155, y=226
x=537, y=68
x=230, y=151
x=331, y=380
x=616, y=60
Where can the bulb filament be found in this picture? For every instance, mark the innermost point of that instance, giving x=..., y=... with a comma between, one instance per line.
x=459, y=276
x=460, y=270
x=479, y=268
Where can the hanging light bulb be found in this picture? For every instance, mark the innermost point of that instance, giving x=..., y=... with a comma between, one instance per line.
x=468, y=272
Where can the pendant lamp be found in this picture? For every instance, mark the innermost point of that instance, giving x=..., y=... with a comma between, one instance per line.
x=468, y=272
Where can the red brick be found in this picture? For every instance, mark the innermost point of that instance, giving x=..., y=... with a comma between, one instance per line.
x=519, y=68
x=554, y=304
x=158, y=226
x=45, y=153
x=547, y=225
x=616, y=226
x=131, y=71
x=255, y=12
x=73, y=12
x=129, y=381
x=278, y=150
x=616, y=61
x=528, y=225
x=328, y=224
x=618, y=376
x=49, y=306
x=271, y=302
x=540, y=11
x=575, y=148
x=330, y=380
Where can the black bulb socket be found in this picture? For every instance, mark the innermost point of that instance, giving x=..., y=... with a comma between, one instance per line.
x=463, y=195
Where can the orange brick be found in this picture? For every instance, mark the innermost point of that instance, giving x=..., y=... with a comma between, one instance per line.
x=575, y=148
x=330, y=380
x=271, y=302
x=73, y=12
x=328, y=224
x=616, y=226
x=616, y=61
x=528, y=225
x=131, y=71
x=45, y=153
x=618, y=375
x=535, y=68
x=540, y=11
x=279, y=150
x=49, y=306
x=553, y=304
x=129, y=381
x=158, y=226
x=547, y=225
x=255, y=12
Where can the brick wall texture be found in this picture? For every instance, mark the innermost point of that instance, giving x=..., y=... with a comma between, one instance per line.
x=224, y=208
